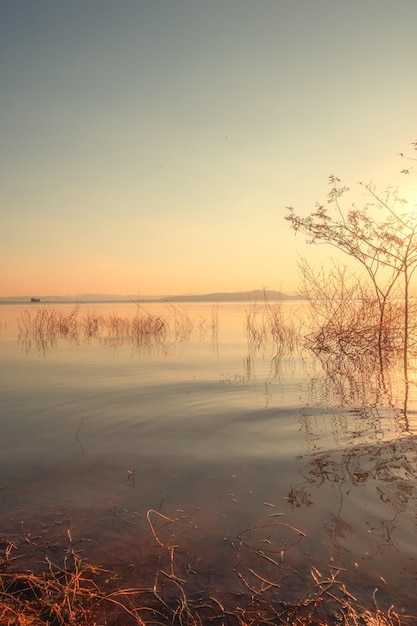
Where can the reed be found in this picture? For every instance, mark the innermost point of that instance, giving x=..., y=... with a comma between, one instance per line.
x=345, y=318
x=215, y=323
x=181, y=324
x=266, y=324
x=256, y=330
x=47, y=325
x=92, y=325
x=150, y=327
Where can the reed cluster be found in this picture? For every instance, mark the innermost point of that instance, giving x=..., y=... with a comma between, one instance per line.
x=137, y=329
x=181, y=324
x=267, y=324
x=346, y=320
x=47, y=325
x=352, y=329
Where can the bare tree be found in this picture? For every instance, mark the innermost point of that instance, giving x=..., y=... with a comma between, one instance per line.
x=380, y=235
x=407, y=157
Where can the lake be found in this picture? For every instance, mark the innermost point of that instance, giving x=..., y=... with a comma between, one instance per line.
x=254, y=462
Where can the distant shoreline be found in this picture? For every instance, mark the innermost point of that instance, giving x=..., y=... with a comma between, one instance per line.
x=241, y=296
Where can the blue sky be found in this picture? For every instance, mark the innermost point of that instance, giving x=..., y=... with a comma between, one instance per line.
x=153, y=146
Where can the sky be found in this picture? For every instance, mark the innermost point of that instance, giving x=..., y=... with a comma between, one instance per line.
x=152, y=146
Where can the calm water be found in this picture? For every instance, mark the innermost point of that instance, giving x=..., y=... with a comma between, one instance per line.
x=217, y=435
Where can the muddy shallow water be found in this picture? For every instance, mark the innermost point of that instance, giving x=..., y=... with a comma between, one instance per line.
x=242, y=448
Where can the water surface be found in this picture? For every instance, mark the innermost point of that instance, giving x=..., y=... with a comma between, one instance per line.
x=220, y=435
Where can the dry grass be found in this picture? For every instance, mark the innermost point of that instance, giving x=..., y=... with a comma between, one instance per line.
x=78, y=593
x=180, y=323
x=49, y=324
x=345, y=318
x=266, y=324
x=46, y=325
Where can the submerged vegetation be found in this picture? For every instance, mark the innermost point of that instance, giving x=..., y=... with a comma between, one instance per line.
x=345, y=319
x=46, y=325
x=267, y=325
x=164, y=587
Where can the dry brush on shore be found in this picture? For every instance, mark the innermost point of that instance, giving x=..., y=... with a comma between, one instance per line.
x=162, y=587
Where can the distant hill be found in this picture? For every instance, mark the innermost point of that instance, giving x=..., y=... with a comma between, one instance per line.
x=256, y=295
x=238, y=296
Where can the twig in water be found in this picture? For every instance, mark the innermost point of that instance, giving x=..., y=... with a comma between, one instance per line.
x=76, y=435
